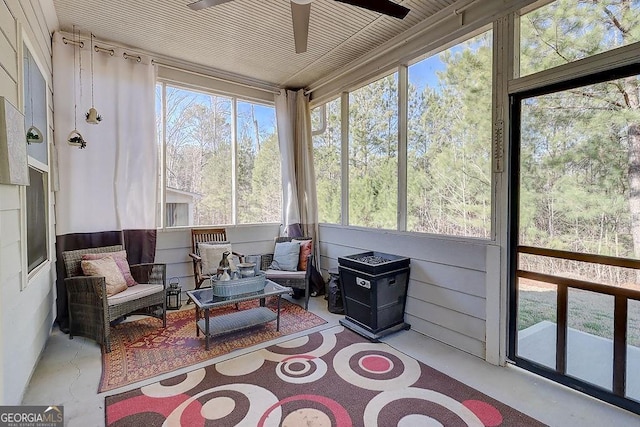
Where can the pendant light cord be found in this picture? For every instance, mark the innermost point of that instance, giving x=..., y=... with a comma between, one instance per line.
x=75, y=99
x=80, y=66
x=30, y=86
x=92, y=105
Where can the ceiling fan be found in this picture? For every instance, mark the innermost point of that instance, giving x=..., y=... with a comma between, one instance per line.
x=301, y=9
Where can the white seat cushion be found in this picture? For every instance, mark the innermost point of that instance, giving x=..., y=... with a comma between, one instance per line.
x=135, y=292
x=281, y=274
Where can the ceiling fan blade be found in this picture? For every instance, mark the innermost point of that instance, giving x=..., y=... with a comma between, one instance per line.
x=203, y=4
x=300, y=17
x=385, y=7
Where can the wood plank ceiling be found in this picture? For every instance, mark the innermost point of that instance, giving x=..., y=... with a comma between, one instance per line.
x=248, y=38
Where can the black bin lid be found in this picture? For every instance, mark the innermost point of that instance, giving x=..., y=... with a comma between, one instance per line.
x=374, y=262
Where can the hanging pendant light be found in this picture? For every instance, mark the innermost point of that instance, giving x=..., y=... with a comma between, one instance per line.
x=75, y=137
x=92, y=117
x=34, y=136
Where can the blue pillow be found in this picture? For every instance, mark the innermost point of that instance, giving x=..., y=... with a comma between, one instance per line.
x=286, y=256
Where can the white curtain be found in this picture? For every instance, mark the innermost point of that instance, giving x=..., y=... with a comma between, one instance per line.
x=298, y=175
x=112, y=183
x=305, y=172
x=286, y=120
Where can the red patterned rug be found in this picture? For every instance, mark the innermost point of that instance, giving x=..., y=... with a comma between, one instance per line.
x=141, y=349
x=328, y=378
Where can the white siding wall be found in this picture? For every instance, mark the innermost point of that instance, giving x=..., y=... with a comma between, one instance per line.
x=26, y=315
x=174, y=245
x=447, y=294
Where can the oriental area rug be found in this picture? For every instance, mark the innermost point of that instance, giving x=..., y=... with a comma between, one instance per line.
x=328, y=378
x=142, y=349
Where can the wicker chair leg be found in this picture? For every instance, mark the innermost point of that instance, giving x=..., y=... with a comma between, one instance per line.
x=107, y=337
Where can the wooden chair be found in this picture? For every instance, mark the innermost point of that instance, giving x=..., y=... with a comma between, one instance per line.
x=205, y=235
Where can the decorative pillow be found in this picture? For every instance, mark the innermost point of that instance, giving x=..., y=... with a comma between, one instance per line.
x=211, y=254
x=286, y=256
x=107, y=268
x=306, y=247
x=120, y=258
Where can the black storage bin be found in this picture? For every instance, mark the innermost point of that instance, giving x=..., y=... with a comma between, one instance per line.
x=334, y=294
x=374, y=292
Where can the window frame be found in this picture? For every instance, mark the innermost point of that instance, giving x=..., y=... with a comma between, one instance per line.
x=164, y=83
x=45, y=169
x=324, y=123
x=403, y=98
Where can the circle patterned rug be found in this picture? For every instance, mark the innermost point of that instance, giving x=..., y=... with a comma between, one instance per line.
x=328, y=378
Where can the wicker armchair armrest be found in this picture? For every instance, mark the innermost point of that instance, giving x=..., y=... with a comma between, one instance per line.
x=150, y=273
x=88, y=307
x=86, y=289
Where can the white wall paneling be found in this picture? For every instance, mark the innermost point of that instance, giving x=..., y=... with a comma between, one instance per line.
x=446, y=297
x=174, y=245
x=26, y=315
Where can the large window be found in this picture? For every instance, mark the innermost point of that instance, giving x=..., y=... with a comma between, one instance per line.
x=259, y=186
x=448, y=187
x=326, y=125
x=223, y=166
x=373, y=154
x=449, y=141
x=567, y=30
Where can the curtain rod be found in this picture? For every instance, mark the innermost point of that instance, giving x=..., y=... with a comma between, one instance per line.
x=69, y=41
x=137, y=58
x=103, y=49
x=97, y=48
x=100, y=49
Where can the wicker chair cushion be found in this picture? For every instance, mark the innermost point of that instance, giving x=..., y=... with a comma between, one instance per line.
x=286, y=256
x=134, y=293
x=107, y=268
x=72, y=258
x=211, y=254
x=280, y=274
x=120, y=257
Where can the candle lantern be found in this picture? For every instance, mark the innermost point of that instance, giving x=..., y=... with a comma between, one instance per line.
x=174, y=293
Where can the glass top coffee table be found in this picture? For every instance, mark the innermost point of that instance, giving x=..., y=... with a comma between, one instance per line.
x=212, y=326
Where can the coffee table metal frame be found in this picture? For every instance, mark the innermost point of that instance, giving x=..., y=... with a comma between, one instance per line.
x=213, y=326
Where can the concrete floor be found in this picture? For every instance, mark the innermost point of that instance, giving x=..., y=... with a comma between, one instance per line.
x=584, y=352
x=69, y=371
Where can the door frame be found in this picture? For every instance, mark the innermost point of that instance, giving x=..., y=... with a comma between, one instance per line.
x=557, y=375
